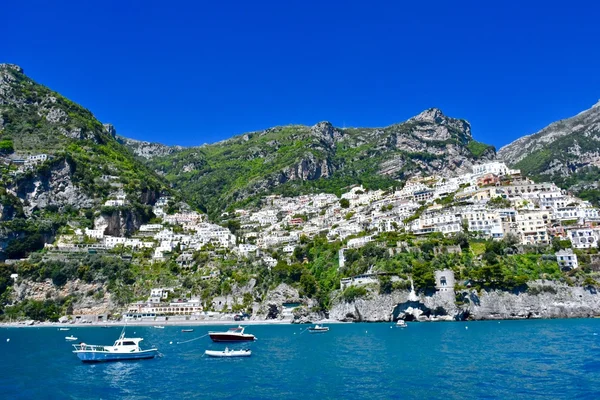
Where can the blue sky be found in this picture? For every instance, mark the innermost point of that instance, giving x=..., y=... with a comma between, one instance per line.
x=195, y=72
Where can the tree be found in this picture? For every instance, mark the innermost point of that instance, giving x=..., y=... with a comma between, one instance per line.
x=385, y=285
x=423, y=277
x=345, y=203
x=308, y=284
x=233, y=225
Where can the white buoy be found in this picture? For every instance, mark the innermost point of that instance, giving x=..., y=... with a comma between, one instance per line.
x=170, y=342
x=466, y=327
x=8, y=340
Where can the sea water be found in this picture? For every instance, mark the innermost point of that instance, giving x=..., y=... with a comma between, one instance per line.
x=549, y=359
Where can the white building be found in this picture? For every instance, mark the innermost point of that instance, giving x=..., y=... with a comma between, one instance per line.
x=583, y=238
x=113, y=241
x=532, y=227
x=269, y=261
x=94, y=233
x=358, y=242
x=567, y=259
x=494, y=167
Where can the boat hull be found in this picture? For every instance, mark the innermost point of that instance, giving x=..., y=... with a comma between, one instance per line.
x=223, y=337
x=102, y=356
x=318, y=330
x=224, y=354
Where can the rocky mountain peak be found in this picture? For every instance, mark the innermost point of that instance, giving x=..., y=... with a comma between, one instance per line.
x=110, y=129
x=14, y=67
x=326, y=131
x=432, y=115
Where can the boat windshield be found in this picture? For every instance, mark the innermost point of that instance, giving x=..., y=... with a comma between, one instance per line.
x=240, y=329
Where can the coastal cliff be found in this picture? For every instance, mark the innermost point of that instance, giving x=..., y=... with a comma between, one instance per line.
x=543, y=299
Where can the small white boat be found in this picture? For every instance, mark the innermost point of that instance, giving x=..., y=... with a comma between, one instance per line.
x=187, y=330
x=158, y=327
x=401, y=324
x=228, y=353
x=70, y=337
x=123, y=349
x=318, y=329
x=64, y=329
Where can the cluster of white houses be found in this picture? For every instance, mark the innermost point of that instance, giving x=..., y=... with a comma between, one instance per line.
x=493, y=201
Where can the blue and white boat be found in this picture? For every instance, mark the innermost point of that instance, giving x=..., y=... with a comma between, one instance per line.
x=123, y=349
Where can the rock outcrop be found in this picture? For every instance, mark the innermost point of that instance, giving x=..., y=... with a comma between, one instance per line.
x=89, y=298
x=148, y=150
x=561, y=149
x=543, y=299
x=272, y=307
x=52, y=187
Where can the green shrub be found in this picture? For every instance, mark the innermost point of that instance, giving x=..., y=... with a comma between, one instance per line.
x=352, y=293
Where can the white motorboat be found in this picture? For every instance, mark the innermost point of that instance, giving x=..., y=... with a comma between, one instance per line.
x=64, y=329
x=318, y=329
x=123, y=349
x=158, y=327
x=401, y=324
x=71, y=338
x=228, y=353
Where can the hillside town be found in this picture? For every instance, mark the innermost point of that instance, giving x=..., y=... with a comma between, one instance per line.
x=491, y=202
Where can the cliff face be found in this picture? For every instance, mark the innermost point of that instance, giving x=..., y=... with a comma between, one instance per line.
x=549, y=301
x=566, y=152
x=119, y=222
x=585, y=125
x=51, y=187
x=147, y=150
x=542, y=300
x=100, y=302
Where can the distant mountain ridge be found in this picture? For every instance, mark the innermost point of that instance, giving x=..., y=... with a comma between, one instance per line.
x=566, y=151
x=296, y=158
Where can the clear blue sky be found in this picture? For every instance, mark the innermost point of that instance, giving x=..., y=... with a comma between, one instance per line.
x=194, y=72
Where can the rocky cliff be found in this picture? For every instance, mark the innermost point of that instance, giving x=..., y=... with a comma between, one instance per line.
x=566, y=152
x=585, y=125
x=543, y=299
x=148, y=150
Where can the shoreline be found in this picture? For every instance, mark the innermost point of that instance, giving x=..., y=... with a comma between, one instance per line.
x=120, y=324
x=114, y=324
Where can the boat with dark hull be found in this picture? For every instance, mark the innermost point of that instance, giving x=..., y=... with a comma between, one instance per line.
x=232, y=335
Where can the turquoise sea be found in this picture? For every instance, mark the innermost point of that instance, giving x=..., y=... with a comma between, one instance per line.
x=553, y=359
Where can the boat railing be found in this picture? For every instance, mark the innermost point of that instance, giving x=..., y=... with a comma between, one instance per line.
x=89, y=347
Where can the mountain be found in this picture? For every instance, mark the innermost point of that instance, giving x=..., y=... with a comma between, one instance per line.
x=295, y=159
x=58, y=165
x=566, y=152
